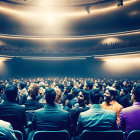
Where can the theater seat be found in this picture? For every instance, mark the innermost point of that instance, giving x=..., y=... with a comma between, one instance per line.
x=102, y=135
x=134, y=135
x=18, y=134
x=51, y=135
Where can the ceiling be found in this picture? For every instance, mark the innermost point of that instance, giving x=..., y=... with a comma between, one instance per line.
x=69, y=28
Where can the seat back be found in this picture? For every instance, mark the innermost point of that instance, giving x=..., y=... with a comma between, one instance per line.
x=134, y=135
x=18, y=134
x=51, y=135
x=102, y=135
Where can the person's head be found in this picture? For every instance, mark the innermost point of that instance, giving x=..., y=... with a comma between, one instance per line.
x=110, y=94
x=58, y=97
x=50, y=95
x=95, y=96
x=75, y=92
x=135, y=95
x=11, y=93
x=124, y=91
x=88, y=85
x=67, y=89
x=22, y=85
x=42, y=90
x=33, y=91
x=83, y=97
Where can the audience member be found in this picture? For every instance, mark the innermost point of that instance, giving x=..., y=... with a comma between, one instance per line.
x=23, y=94
x=124, y=98
x=110, y=102
x=69, y=95
x=11, y=112
x=51, y=117
x=7, y=129
x=129, y=118
x=96, y=118
x=32, y=104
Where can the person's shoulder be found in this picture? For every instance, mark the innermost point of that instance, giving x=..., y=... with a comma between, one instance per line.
x=39, y=110
x=62, y=110
x=19, y=106
x=85, y=113
x=5, y=124
x=103, y=104
x=127, y=109
x=110, y=112
x=119, y=105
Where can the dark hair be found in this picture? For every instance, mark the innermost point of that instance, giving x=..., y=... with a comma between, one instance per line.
x=125, y=90
x=89, y=84
x=86, y=94
x=50, y=95
x=112, y=92
x=68, y=89
x=22, y=85
x=75, y=92
x=69, y=96
x=82, y=85
x=136, y=92
x=95, y=96
x=33, y=91
x=61, y=87
x=11, y=92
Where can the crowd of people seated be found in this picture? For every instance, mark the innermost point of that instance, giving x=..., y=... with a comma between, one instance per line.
x=93, y=47
x=72, y=104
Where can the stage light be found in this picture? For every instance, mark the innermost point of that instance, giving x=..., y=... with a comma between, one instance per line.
x=111, y=40
x=121, y=63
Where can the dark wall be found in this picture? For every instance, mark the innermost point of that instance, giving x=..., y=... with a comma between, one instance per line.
x=71, y=68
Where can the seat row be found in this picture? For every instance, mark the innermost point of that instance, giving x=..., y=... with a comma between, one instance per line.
x=86, y=135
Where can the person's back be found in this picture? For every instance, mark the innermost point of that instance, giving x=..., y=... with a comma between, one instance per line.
x=96, y=118
x=132, y=115
x=7, y=130
x=129, y=118
x=51, y=117
x=11, y=112
x=32, y=103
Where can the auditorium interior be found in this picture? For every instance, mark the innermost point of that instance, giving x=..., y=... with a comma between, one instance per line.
x=62, y=46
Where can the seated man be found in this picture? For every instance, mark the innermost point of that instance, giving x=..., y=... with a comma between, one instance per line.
x=110, y=102
x=129, y=118
x=96, y=118
x=51, y=117
x=11, y=112
x=7, y=129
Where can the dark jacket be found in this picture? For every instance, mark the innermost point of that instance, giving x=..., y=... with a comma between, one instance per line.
x=13, y=113
x=50, y=118
x=97, y=119
x=32, y=105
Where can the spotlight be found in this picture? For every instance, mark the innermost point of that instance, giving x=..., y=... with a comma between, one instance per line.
x=120, y=3
x=87, y=9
